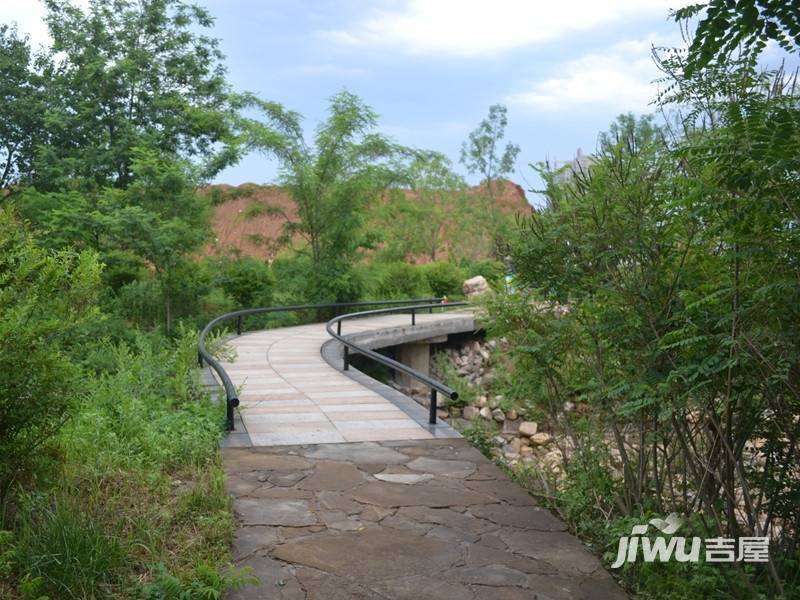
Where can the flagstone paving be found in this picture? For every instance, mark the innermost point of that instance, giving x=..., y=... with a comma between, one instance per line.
x=341, y=494
x=328, y=522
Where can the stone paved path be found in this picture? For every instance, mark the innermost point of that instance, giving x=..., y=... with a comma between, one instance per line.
x=291, y=395
x=401, y=520
x=340, y=494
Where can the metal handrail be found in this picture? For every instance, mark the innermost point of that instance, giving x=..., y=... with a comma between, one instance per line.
x=231, y=397
x=436, y=386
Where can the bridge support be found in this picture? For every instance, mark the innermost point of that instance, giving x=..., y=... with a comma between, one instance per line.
x=417, y=355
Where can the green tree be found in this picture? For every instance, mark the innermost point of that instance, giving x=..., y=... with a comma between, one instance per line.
x=331, y=183
x=21, y=109
x=161, y=218
x=128, y=74
x=665, y=278
x=483, y=154
x=157, y=222
x=741, y=26
x=420, y=219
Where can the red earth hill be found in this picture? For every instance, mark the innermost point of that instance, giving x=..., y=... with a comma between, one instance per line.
x=257, y=235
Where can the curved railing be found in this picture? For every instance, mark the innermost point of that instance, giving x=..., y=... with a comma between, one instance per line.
x=350, y=346
x=203, y=355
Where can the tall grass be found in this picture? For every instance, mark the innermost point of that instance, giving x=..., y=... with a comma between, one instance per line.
x=137, y=507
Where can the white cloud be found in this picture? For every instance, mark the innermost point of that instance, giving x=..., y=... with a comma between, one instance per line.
x=477, y=27
x=619, y=78
x=29, y=15
x=326, y=70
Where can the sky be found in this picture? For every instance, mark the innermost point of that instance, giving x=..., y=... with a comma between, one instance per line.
x=431, y=68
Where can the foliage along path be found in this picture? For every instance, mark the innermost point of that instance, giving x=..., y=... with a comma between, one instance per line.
x=340, y=494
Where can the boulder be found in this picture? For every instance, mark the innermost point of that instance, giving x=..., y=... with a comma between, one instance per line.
x=486, y=412
x=541, y=438
x=512, y=414
x=497, y=415
x=470, y=413
x=475, y=286
x=528, y=428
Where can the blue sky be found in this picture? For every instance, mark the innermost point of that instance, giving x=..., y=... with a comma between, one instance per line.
x=431, y=68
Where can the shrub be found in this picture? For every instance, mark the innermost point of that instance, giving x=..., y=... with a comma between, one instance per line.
x=247, y=280
x=399, y=280
x=47, y=301
x=148, y=410
x=467, y=394
x=444, y=278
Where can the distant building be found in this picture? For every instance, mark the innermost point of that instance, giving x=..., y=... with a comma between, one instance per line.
x=564, y=171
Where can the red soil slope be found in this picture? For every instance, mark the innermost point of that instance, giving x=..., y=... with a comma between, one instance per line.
x=257, y=236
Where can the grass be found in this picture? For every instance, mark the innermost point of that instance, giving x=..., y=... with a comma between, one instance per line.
x=137, y=507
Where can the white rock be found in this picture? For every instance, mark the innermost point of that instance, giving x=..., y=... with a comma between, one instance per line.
x=475, y=286
x=486, y=412
x=528, y=428
x=405, y=478
x=541, y=438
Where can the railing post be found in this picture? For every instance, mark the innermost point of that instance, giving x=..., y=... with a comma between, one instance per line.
x=229, y=416
x=239, y=326
x=346, y=358
x=200, y=359
x=432, y=408
x=413, y=317
x=338, y=328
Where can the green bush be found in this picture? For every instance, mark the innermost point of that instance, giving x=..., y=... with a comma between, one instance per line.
x=247, y=280
x=141, y=485
x=444, y=278
x=47, y=301
x=399, y=280
x=148, y=410
x=467, y=394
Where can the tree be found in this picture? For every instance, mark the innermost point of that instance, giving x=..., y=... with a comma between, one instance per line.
x=21, y=109
x=743, y=25
x=330, y=183
x=417, y=220
x=482, y=155
x=158, y=221
x=130, y=74
x=665, y=278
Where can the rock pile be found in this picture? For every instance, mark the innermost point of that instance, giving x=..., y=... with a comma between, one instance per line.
x=519, y=440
